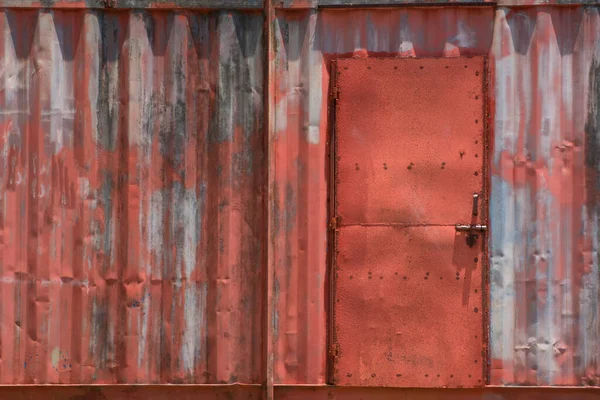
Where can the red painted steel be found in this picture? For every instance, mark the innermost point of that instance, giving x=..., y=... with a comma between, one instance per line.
x=307, y=41
x=98, y=186
x=408, y=287
x=495, y=393
x=287, y=392
x=132, y=392
x=182, y=5
x=409, y=140
x=545, y=291
x=132, y=179
x=544, y=323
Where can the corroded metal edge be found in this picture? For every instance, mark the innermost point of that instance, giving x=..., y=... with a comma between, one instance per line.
x=285, y=4
x=287, y=392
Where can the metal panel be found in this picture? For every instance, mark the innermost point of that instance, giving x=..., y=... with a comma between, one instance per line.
x=187, y=4
x=258, y=4
x=404, y=297
x=132, y=392
x=131, y=208
x=543, y=3
x=286, y=392
x=72, y=4
x=306, y=42
x=300, y=4
x=546, y=62
x=134, y=4
x=496, y=393
x=409, y=138
x=544, y=209
x=342, y=3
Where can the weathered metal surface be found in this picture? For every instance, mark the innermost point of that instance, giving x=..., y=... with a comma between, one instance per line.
x=70, y=4
x=519, y=3
x=269, y=267
x=408, y=286
x=306, y=4
x=544, y=322
x=134, y=4
x=131, y=211
x=544, y=197
x=286, y=392
x=342, y=3
x=258, y=4
x=408, y=154
x=94, y=209
x=187, y=4
x=306, y=42
x=132, y=392
x=496, y=393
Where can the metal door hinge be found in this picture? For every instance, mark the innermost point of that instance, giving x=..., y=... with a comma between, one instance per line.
x=335, y=93
x=334, y=222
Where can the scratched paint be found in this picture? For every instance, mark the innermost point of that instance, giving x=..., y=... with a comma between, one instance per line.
x=543, y=248
x=132, y=167
x=131, y=204
x=307, y=41
x=544, y=251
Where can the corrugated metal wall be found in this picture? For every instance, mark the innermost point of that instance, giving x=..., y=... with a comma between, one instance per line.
x=307, y=41
x=544, y=204
x=132, y=172
x=544, y=262
x=133, y=165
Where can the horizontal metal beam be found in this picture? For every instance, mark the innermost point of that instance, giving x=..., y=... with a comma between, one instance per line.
x=412, y=3
x=283, y=4
x=135, y=4
x=189, y=4
x=289, y=392
x=527, y=3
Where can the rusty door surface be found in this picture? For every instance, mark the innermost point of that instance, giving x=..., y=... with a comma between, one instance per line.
x=409, y=144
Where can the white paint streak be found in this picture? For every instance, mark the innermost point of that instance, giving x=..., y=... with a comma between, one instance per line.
x=156, y=232
x=92, y=40
x=143, y=336
x=191, y=234
x=138, y=45
x=466, y=36
x=315, y=99
x=502, y=206
x=195, y=319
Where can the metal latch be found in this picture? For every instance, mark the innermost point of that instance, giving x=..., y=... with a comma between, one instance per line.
x=472, y=229
x=469, y=228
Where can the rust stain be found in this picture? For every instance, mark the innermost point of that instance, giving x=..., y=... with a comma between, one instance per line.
x=306, y=43
x=120, y=127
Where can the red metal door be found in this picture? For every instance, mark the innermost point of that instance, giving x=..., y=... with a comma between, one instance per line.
x=408, y=286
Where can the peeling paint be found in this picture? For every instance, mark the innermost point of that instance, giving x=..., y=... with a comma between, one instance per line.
x=109, y=209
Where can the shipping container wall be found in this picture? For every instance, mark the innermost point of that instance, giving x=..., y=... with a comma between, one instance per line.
x=307, y=42
x=543, y=242
x=133, y=168
x=131, y=217
x=545, y=327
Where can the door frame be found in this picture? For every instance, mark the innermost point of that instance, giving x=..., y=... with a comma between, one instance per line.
x=331, y=172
